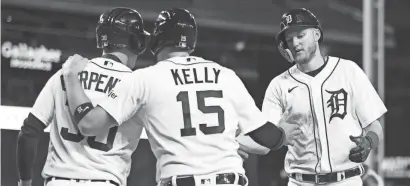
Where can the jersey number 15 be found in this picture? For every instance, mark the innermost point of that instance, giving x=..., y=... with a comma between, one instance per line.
x=188, y=130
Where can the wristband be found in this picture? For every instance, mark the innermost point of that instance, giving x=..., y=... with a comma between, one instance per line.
x=283, y=139
x=82, y=110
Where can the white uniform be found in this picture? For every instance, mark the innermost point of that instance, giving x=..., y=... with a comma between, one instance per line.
x=338, y=102
x=71, y=155
x=191, y=109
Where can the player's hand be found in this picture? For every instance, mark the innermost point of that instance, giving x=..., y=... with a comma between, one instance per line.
x=24, y=183
x=360, y=153
x=289, y=123
x=74, y=65
x=292, y=132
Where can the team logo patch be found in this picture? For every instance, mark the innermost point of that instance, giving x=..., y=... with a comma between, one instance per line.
x=291, y=89
x=337, y=103
x=288, y=19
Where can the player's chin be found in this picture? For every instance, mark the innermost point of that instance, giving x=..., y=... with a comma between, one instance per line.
x=300, y=59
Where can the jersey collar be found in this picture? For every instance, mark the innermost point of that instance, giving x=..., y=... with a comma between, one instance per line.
x=112, y=57
x=111, y=64
x=321, y=76
x=187, y=60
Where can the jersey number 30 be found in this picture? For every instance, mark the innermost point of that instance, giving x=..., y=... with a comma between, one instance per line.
x=91, y=139
x=188, y=130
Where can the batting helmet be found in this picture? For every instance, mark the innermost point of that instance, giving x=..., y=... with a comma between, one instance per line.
x=300, y=17
x=174, y=27
x=122, y=27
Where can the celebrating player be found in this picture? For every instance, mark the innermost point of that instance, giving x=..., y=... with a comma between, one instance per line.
x=191, y=108
x=331, y=99
x=73, y=158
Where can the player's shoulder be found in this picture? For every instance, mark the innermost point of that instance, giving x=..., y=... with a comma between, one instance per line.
x=144, y=72
x=345, y=64
x=342, y=62
x=54, y=82
x=284, y=77
x=276, y=82
x=207, y=62
x=224, y=71
x=56, y=76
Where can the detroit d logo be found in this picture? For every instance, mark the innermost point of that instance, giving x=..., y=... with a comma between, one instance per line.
x=288, y=19
x=337, y=103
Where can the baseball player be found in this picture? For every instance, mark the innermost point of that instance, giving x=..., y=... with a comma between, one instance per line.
x=331, y=99
x=191, y=108
x=75, y=159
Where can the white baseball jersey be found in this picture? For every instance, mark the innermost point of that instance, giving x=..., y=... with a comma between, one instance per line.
x=191, y=110
x=338, y=102
x=72, y=155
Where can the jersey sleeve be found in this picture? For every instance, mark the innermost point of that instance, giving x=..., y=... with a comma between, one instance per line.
x=272, y=107
x=44, y=107
x=367, y=103
x=124, y=100
x=250, y=117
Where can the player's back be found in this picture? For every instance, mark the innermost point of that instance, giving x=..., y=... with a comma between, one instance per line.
x=191, y=116
x=72, y=155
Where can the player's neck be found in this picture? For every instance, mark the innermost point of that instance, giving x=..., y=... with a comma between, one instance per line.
x=316, y=62
x=161, y=56
x=122, y=57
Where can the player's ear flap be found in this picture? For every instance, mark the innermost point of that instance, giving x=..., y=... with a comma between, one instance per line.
x=317, y=34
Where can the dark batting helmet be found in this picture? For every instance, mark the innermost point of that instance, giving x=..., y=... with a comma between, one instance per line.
x=174, y=27
x=122, y=27
x=300, y=17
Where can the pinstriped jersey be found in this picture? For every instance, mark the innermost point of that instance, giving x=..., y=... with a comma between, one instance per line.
x=72, y=155
x=338, y=102
x=191, y=110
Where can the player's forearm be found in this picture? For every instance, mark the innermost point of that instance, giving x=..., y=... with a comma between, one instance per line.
x=375, y=132
x=95, y=121
x=26, y=151
x=247, y=144
x=269, y=136
x=75, y=92
x=27, y=146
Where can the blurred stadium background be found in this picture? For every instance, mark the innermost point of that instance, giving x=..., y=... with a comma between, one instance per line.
x=37, y=36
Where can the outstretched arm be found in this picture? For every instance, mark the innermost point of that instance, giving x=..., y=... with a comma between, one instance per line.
x=253, y=122
x=90, y=120
x=248, y=145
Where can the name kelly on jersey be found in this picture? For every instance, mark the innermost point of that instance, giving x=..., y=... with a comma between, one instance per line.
x=194, y=75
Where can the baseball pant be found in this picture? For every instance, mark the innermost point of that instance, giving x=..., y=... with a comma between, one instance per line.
x=54, y=182
x=353, y=181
